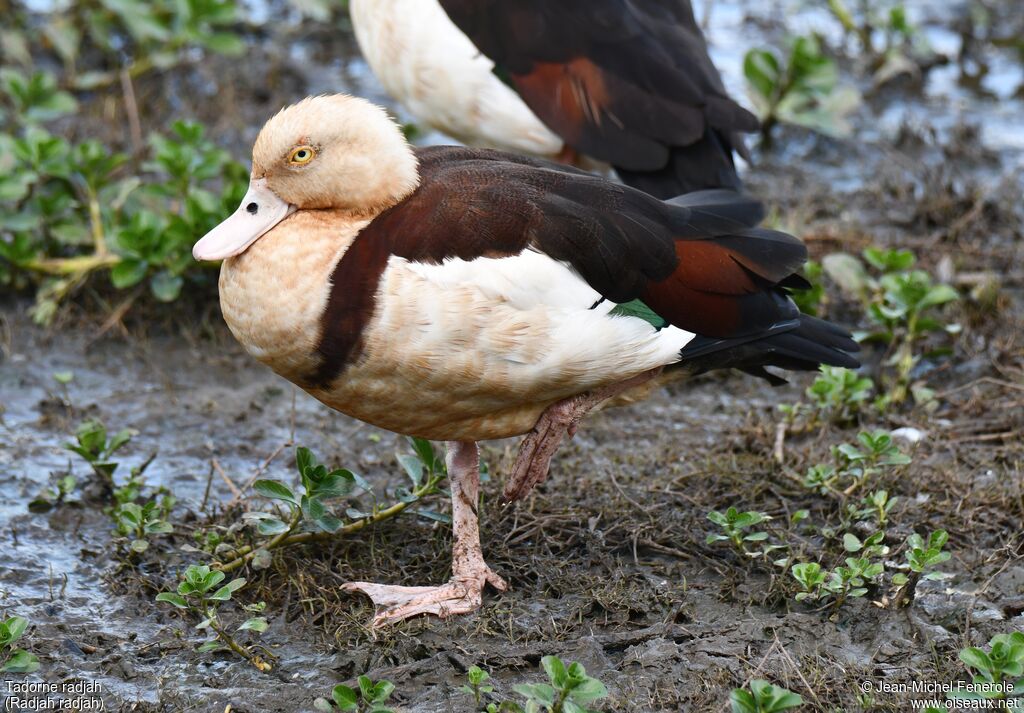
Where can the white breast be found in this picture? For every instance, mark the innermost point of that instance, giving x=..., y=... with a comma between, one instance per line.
x=427, y=63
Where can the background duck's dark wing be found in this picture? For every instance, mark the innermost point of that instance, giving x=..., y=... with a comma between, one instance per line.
x=629, y=82
x=699, y=262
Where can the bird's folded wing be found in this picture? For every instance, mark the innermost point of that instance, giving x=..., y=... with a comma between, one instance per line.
x=619, y=80
x=698, y=262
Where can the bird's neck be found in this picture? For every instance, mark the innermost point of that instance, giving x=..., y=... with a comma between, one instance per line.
x=274, y=294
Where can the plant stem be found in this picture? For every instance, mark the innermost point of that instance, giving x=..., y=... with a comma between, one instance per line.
x=908, y=591
x=242, y=651
x=96, y=222
x=243, y=555
x=78, y=265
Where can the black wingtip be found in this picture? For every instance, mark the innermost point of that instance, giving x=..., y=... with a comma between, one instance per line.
x=802, y=344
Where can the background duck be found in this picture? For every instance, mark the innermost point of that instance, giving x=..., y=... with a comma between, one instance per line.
x=627, y=82
x=465, y=294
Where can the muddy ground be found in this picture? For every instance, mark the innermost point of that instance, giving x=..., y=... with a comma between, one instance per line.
x=607, y=562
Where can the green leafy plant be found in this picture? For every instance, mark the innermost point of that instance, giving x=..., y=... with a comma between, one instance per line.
x=476, y=684
x=904, y=312
x=903, y=304
x=735, y=525
x=847, y=581
x=15, y=660
x=762, y=697
x=856, y=464
x=799, y=88
x=201, y=594
x=137, y=522
x=309, y=518
x=96, y=447
x=838, y=395
x=998, y=672
x=811, y=301
x=69, y=211
x=54, y=494
x=157, y=35
x=34, y=98
x=569, y=689
x=921, y=556
x=887, y=39
x=876, y=452
x=370, y=697
x=876, y=506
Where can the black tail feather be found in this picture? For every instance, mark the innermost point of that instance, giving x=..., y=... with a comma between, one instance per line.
x=802, y=344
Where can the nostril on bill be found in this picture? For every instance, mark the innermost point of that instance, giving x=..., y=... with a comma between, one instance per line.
x=253, y=208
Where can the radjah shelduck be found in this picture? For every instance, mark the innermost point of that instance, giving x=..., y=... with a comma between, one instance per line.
x=627, y=82
x=463, y=294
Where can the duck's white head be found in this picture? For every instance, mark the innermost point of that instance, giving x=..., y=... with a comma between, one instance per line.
x=337, y=152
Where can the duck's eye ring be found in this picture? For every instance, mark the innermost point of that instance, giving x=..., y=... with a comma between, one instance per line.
x=301, y=155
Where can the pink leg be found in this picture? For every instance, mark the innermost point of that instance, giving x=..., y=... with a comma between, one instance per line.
x=464, y=592
x=558, y=420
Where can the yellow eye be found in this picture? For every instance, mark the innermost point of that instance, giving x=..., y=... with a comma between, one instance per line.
x=301, y=155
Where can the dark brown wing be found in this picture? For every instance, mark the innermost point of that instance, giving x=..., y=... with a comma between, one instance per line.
x=698, y=262
x=625, y=81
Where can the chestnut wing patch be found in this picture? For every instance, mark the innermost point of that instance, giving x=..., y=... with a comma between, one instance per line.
x=624, y=81
x=698, y=262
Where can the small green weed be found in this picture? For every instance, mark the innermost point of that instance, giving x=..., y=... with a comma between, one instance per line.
x=201, y=594
x=137, y=522
x=371, y=697
x=837, y=395
x=921, y=556
x=308, y=516
x=799, y=88
x=56, y=493
x=856, y=465
x=96, y=447
x=762, y=697
x=569, y=690
x=15, y=660
x=904, y=305
x=476, y=684
x=998, y=672
x=735, y=526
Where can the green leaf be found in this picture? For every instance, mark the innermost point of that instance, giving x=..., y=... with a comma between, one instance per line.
x=257, y=624
x=345, y=698
x=976, y=659
x=21, y=661
x=382, y=691
x=743, y=701
x=336, y=484
x=128, y=272
x=540, y=692
x=173, y=599
x=435, y=516
x=165, y=286
x=12, y=629
x=225, y=43
x=275, y=490
x=555, y=670
x=271, y=526
x=589, y=690
x=224, y=593
x=329, y=523
x=413, y=467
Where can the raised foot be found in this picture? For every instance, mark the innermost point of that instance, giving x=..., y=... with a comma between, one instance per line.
x=395, y=603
